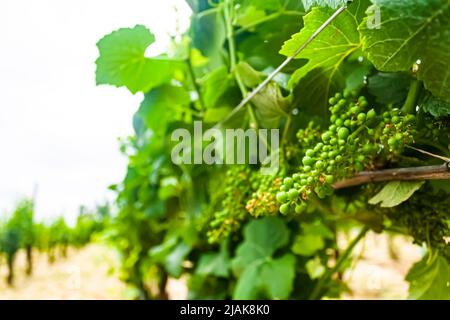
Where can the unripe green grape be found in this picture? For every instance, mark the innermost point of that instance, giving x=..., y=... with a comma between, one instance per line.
x=284, y=208
x=282, y=197
x=354, y=110
x=307, y=161
x=326, y=136
x=288, y=182
x=310, y=153
x=293, y=194
x=320, y=165
x=329, y=179
x=371, y=114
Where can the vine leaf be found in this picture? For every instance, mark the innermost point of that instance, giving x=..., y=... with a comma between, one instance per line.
x=122, y=61
x=259, y=273
x=429, y=279
x=436, y=107
x=410, y=32
x=312, y=239
x=271, y=106
x=250, y=76
x=215, y=85
x=161, y=105
x=389, y=87
x=396, y=192
x=215, y=264
x=326, y=54
x=334, y=4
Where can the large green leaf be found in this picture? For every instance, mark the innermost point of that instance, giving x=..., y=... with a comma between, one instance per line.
x=429, y=279
x=259, y=273
x=122, y=61
x=162, y=104
x=396, y=192
x=411, y=31
x=326, y=54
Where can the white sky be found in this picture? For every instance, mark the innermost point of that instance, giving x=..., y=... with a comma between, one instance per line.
x=57, y=129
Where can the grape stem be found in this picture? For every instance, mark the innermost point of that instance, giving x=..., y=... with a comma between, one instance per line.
x=438, y=172
x=413, y=94
x=229, y=16
x=318, y=290
x=194, y=82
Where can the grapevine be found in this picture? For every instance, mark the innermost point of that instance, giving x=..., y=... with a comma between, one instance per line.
x=350, y=98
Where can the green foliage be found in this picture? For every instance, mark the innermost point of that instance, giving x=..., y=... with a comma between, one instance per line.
x=122, y=61
x=429, y=279
x=396, y=192
x=412, y=32
x=234, y=232
x=326, y=55
x=259, y=272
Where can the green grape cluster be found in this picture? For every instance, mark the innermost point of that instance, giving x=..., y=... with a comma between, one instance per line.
x=426, y=217
x=232, y=210
x=263, y=201
x=397, y=132
x=356, y=136
x=308, y=137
